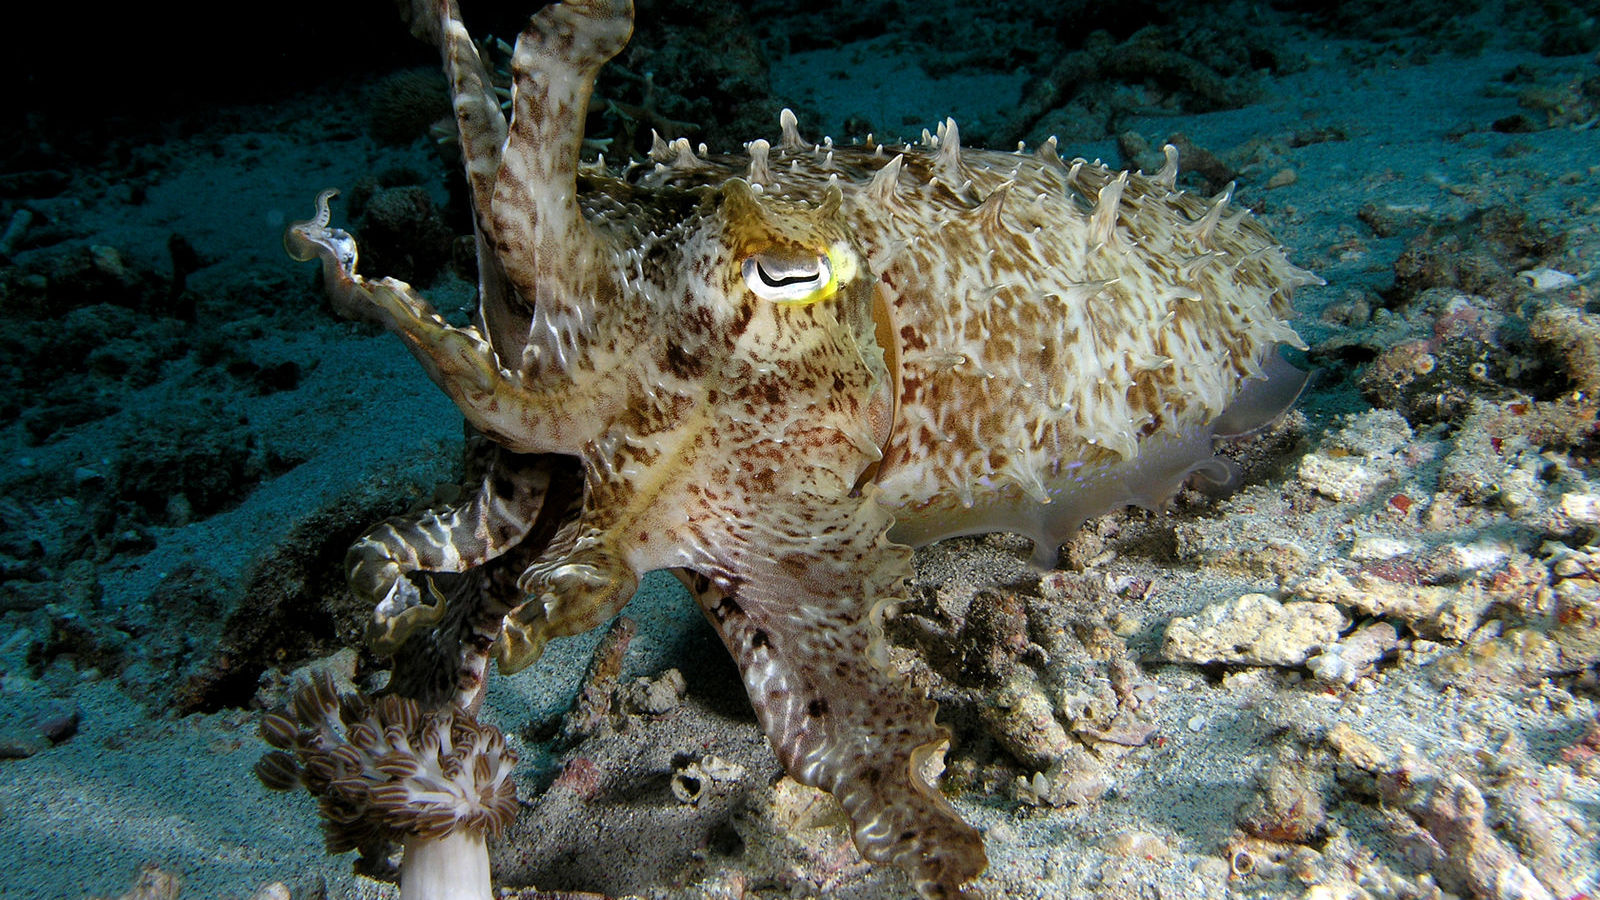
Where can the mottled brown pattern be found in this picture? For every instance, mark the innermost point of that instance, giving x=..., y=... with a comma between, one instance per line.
x=780, y=368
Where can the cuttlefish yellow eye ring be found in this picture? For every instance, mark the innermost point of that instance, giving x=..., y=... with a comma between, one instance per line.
x=797, y=278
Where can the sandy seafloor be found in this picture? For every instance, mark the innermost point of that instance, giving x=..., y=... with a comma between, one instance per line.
x=1409, y=713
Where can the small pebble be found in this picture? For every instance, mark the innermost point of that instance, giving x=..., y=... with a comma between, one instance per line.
x=1582, y=509
x=1378, y=546
x=1137, y=845
x=1547, y=279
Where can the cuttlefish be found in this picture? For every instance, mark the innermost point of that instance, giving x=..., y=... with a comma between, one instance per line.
x=778, y=371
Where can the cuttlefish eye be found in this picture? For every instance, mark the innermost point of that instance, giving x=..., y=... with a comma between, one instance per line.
x=790, y=277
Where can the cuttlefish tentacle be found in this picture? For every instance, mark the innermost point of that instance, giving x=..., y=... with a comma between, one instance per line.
x=552, y=255
x=523, y=418
x=481, y=128
x=447, y=663
x=513, y=492
x=797, y=595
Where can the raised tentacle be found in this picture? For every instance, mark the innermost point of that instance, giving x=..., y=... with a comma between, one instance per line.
x=552, y=255
x=480, y=125
x=481, y=129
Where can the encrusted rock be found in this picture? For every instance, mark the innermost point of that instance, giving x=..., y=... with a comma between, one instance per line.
x=1467, y=856
x=694, y=778
x=1380, y=546
x=1338, y=890
x=1358, y=458
x=1288, y=806
x=1575, y=336
x=1253, y=629
x=1078, y=777
x=1450, y=613
x=154, y=884
x=656, y=696
x=31, y=724
x=1137, y=845
x=1023, y=720
x=1349, y=659
x=1342, y=478
x=1374, y=434
x=1553, y=838
x=1580, y=509
x=1356, y=748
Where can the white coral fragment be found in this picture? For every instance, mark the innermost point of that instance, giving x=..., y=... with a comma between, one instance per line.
x=1254, y=629
x=1379, y=546
x=692, y=780
x=1347, y=660
x=1340, y=478
x=1580, y=509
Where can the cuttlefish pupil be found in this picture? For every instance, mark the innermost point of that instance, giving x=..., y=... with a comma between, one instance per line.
x=782, y=276
x=785, y=278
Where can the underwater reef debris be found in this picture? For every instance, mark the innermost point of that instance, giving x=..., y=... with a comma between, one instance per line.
x=154, y=883
x=1462, y=321
x=655, y=696
x=1450, y=612
x=694, y=777
x=33, y=724
x=1367, y=452
x=1461, y=357
x=1074, y=778
x=783, y=369
x=406, y=231
x=1561, y=634
x=1575, y=336
x=1060, y=710
x=596, y=704
x=1461, y=848
x=1492, y=825
x=1083, y=83
x=1354, y=655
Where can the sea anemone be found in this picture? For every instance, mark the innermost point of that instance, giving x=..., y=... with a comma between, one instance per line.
x=382, y=770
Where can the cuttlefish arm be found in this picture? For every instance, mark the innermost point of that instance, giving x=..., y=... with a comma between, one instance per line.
x=549, y=250
x=515, y=495
x=796, y=588
x=446, y=661
x=577, y=585
x=480, y=124
x=596, y=557
x=504, y=315
x=521, y=416
x=798, y=601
